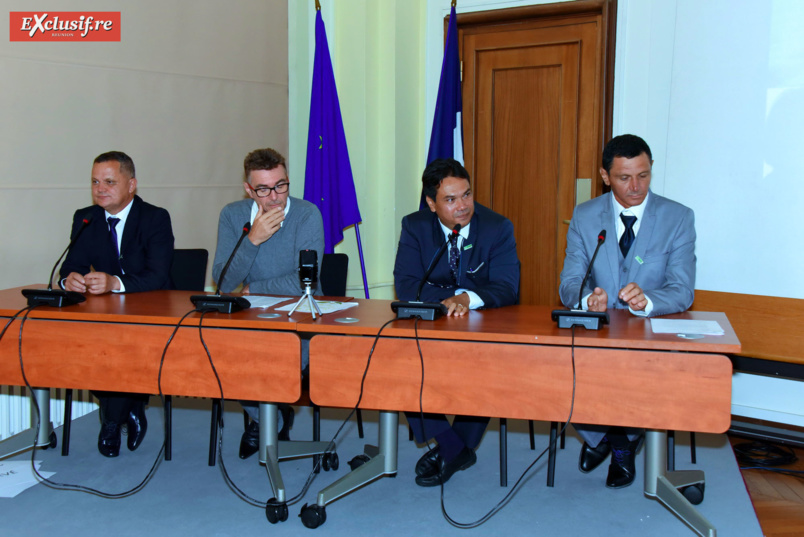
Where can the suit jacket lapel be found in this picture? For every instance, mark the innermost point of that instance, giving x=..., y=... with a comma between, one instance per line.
x=130, y=231
x=611, y=247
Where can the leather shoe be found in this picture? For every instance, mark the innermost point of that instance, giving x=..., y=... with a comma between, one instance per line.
x=109, y=439
x=462, y=461
x=622, y=470
x=137, y=426
x=250, y=441
x=591, y=457
x=428, y=463
x=288, y=415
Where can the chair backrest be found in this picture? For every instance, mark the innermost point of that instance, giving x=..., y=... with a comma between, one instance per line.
x=189, y=269
x=333, y=274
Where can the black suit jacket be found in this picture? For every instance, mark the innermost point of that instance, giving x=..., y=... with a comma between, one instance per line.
x=489, y=265
x=146, y=251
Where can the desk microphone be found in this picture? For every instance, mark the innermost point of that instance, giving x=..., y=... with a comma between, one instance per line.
x=59, y=297
x=591, y=320
x=218, y=302
x=428, y=311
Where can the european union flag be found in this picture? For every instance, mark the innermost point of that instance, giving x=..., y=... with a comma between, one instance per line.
x=328, y=178
x=446, y=138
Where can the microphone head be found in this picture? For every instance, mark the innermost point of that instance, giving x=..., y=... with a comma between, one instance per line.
x=87, y=220
x=456, y=229
x=246, y=227
x=601, y=236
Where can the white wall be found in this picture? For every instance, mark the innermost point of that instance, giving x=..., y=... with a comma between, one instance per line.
x=192, y=86
x=717, y=90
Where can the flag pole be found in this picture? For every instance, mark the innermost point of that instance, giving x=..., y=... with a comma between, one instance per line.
x=362, y=263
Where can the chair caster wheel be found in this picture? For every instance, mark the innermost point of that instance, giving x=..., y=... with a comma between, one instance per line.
x=313, y=515
x=54, y=441
x=275, y=511
x=694, y=493
x=330, y=461
x=359, y=461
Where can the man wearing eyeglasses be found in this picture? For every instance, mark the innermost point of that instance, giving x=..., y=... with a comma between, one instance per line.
x=267, y=261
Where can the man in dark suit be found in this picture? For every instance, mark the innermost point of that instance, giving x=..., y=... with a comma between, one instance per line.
x=650, y=271
x=480, y=270
x=127, y=247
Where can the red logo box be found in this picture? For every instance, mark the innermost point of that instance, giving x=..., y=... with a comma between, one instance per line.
x=64, y=26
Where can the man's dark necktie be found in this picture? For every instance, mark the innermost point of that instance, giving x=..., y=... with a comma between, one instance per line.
x=113, y=236
x=628, y=236
x=454, y=256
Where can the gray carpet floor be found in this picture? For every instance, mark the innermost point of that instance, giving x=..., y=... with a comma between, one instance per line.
x=188, y=497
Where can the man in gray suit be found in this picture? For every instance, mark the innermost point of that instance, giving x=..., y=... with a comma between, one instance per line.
x=649, y=270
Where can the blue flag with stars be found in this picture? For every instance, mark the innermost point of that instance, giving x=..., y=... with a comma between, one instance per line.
x=328, y=181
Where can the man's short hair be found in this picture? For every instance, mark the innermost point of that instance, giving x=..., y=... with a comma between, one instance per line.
x=263, y=159
x=437, y=171
x=624, y=146
x=126, y=164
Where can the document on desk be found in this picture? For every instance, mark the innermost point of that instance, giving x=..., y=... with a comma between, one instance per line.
x=261, y=301
x=326, y=306
x=16, y=476
x=686, y=326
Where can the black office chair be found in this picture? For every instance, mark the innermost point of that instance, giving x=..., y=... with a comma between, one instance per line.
x=188, y=272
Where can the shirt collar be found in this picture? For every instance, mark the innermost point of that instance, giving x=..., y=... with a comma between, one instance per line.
x=636, y=210
x=122, y=215
x=464, y=232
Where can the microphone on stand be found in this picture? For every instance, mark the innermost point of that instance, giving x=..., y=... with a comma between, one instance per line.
x=427, y=311
x=224, y=303
x=59, y=297
x=591, y=320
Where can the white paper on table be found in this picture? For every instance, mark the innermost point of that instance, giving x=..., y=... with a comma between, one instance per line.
x=262, y=301
x=17, y=476
x=686, y=326
x=326, y=306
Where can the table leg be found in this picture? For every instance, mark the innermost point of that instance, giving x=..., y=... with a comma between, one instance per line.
x=664, y=486
x=22, y=441
x=383, y=462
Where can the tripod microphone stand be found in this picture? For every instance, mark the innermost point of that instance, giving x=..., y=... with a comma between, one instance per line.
x=308, y=294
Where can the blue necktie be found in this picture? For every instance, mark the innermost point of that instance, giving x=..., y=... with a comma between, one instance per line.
x=628, y=236
x=454, y=256
x=113, y=237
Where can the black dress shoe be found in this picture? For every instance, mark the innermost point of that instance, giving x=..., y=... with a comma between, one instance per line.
x=288, y=415
x=591, y=457
x=428, y=463
x=137, y=426
x=109, y=439
x=464, y=460
x=250, y=441
x=622, y=470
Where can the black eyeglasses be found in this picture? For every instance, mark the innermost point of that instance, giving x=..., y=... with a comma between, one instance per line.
x=265, y=191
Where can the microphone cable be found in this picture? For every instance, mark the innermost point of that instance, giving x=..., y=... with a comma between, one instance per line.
x=82, y=488
x=505, y=499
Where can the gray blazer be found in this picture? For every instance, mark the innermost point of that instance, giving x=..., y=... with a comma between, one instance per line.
x=665, y=245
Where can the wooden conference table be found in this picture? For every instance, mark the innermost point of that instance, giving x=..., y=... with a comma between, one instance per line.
x=511, y=362
x=514, y=362
x=115, y=342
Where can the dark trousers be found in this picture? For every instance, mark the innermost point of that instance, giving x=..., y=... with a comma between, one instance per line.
x=469, y=428
x=116, y=406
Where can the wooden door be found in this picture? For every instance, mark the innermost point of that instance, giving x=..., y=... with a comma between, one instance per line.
x=534, y=122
